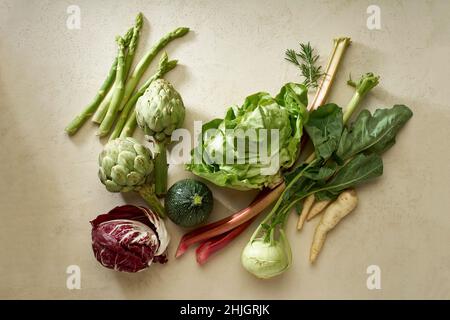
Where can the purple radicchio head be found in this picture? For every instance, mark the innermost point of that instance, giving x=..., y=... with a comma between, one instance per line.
x=129, y=238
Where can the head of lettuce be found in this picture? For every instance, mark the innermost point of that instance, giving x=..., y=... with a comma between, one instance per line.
x=250, y=147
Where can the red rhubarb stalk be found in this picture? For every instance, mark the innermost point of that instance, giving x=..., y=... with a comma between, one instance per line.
x=262, y=201
x=209, y=247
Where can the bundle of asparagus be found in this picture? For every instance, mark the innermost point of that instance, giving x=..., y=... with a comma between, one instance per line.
x=115, y=101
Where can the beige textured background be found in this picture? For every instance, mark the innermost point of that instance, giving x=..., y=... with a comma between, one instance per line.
x=48, y=183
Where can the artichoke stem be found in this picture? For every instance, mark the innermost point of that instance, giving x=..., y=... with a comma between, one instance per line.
x=161, y=170
x=147, y=194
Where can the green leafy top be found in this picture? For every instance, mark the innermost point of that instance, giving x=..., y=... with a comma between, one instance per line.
x=373, y=133
x=345, y=156
x=324, y=128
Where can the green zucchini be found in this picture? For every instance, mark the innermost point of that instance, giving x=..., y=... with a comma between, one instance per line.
x=189, y=203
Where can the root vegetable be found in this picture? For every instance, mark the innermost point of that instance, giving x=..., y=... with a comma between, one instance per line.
x=343, y=205
x=317, y=208
x=307, y=204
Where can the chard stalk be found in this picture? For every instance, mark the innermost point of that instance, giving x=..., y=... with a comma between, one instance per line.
x=278, y=203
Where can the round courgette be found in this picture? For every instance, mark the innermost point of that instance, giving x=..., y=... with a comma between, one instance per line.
x=189, y=203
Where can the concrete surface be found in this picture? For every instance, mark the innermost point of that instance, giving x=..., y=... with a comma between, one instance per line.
x=49, y=188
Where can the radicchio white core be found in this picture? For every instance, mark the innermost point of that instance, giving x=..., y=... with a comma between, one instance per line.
x=129, y=238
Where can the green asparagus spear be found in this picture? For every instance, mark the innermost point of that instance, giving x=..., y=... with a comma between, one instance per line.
x=119, y=86
x=79, y=120
x=133, y=43
x=99, y=115
x=143, y=64
x=127, y=37
x=164, y=66
x=130, y=125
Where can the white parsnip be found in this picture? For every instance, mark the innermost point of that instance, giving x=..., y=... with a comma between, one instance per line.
x=309, y=201
x=317, y=208
x=336, y=211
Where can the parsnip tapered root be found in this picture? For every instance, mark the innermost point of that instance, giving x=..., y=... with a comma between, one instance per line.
x=317, y=208
x=307, y=204
x=337, y=210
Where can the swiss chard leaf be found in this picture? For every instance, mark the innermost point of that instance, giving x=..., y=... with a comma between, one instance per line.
x=324, y=128
x=373, y=133
x=356, y=171
x=300, y=189
x=321, y=173
x=289, y=176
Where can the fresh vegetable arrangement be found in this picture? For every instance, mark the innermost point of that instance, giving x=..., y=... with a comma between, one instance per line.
x=217, y=231
x=344, y=157
x=129, y=238
x=258, y=145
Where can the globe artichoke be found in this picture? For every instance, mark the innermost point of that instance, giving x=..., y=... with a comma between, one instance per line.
x=159, y=111
x=126, y=165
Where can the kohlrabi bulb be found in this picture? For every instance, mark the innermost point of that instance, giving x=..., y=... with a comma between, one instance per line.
x=264, y=259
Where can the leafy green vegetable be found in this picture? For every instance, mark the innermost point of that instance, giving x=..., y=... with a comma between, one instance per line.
x=373, y=133
x=321, y=173
x=324, y=128
x=358, y=170
x=219, y=158
x=357, y=153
